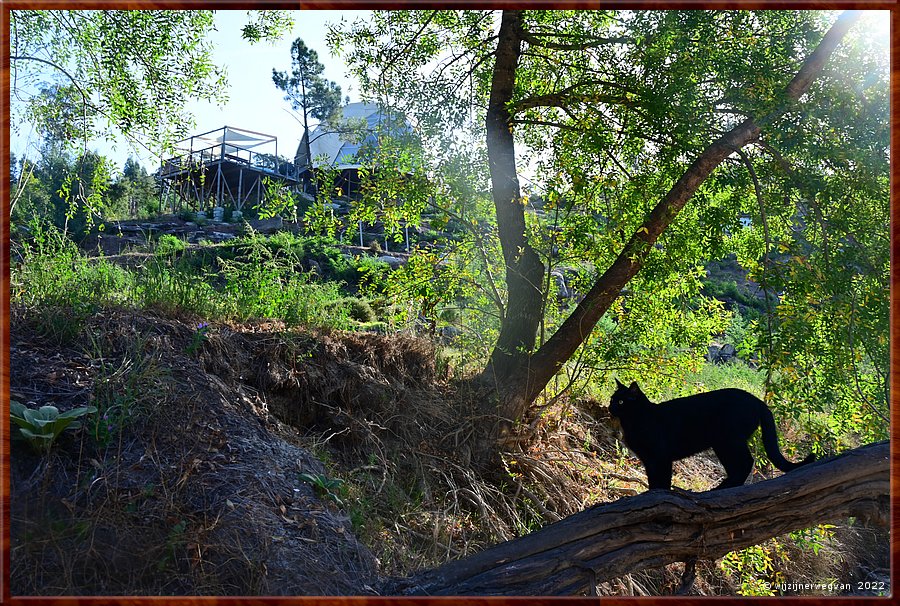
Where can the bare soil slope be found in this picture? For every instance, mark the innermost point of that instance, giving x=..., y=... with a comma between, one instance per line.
x=185, y=482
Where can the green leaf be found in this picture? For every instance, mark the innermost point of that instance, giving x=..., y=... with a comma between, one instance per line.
x=78, y=412
x=33, y=436
x=49, y=412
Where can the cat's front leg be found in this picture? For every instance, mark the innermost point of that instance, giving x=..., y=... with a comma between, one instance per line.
x=659, y=474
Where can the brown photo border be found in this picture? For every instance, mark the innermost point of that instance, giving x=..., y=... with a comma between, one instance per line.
x=894, y=368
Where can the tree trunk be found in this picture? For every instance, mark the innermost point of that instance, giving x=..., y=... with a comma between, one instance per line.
x=308, y=181
x=659, y=527
x=524, y=269
x=523, y=376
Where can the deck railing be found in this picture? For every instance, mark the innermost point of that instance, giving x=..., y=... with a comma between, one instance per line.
x=226, y=153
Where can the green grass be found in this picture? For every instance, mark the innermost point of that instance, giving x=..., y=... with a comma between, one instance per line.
x=733, y=374
x=254, y=277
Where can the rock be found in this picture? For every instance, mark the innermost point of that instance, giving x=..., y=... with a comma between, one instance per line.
x=313, y=267
x=267, y=226
x=721, y=354
x=393, y=262
x=562, y=291
x=448, y=333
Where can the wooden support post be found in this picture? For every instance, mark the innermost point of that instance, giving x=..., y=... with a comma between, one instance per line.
x=238, y=201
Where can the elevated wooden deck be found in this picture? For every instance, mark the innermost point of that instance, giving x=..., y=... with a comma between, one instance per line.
x=227, y=167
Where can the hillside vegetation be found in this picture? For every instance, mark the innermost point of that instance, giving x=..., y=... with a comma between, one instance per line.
x=244, y=444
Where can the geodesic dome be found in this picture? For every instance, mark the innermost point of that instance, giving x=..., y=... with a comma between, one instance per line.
x=339, y=150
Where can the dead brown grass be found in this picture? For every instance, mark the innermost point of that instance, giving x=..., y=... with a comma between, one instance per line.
x=196, y=493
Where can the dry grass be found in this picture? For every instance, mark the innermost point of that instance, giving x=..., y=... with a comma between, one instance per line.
x=195, y=493
x=198, y=490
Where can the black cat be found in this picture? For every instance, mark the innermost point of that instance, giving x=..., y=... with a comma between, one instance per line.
x=660, y=434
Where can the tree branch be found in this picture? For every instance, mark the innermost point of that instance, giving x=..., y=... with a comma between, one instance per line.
x=659, y=527
x=85, y=100
x=562, y=98
x=587, y=41
x=547, y=361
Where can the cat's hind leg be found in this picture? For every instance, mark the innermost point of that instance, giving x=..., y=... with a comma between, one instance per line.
x=737, y=461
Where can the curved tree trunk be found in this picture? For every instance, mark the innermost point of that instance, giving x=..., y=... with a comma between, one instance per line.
x=659, y=527
x=518, y=374
x=524, y=269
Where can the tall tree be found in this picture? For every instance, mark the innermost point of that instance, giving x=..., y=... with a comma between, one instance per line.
x=522, y=373
x=135, y=191
x=648, y=132
x=308, y=91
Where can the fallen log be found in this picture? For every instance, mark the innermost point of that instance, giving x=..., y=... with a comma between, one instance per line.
x=659, y=527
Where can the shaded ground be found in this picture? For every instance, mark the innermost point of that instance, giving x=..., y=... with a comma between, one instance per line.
x=189, y=485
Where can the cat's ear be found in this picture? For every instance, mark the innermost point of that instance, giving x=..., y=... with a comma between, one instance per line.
x=618, y=384
x=634, y=386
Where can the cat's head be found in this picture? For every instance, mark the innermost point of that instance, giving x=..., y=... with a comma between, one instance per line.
x=625, y=397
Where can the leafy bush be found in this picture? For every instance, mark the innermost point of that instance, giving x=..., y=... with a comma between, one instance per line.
x=729, y=290
x=360, y=310
x=53, y=271
x=330, y=257
x=253, y=277
x=742, y=335
x=369, y=270
x=287, y=242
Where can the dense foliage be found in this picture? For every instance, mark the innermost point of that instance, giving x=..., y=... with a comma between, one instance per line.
x=252, y=277
x=608, y=110
x=50, y=189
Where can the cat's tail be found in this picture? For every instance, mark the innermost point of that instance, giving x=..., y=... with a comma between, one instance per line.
x=770, y=442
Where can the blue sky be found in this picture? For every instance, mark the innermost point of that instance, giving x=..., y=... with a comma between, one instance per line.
x=254, y=102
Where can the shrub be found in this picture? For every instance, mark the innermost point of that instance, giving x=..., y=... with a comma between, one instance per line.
x=287, y=242
x=360, y=310
x=54, y=272
x=371, y=271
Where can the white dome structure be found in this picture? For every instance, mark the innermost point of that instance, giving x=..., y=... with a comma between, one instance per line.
x=347, y=145
x=331, y=148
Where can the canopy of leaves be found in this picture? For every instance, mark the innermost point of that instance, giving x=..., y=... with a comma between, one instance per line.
x=610, y=108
